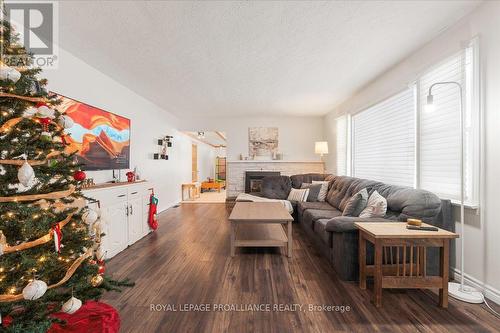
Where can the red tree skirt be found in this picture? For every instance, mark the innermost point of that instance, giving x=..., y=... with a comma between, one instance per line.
x=92, y=317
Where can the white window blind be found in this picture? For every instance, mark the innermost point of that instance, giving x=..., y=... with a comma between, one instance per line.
x=439, y=166
x=384, y=141
x=341, y=145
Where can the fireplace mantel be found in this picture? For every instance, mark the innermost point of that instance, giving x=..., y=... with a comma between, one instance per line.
x=272, y=161
x=236, y=170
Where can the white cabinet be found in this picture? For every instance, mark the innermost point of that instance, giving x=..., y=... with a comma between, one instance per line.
x=135, y=218
x=114, y=225
x=124, y=214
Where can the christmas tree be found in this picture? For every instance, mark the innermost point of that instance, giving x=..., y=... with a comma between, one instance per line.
x=49, y=242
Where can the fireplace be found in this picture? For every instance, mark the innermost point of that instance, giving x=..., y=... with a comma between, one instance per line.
x=253, y=180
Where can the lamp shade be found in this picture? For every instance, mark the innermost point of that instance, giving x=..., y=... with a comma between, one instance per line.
x=321, y=147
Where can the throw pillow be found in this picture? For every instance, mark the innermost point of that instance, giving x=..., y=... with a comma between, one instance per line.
x=356, y=203
x=298, y=194
x=376, y=207
x=313, y=191
x=324, y=189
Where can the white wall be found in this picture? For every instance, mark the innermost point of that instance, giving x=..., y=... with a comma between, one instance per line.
x=296, y=134
x=76, y=79
x=206, y=161
x=483, y=230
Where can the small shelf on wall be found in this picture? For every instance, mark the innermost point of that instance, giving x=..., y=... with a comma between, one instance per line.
x=163, y=145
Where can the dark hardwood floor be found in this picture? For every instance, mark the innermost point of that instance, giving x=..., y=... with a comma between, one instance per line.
x=187, y=262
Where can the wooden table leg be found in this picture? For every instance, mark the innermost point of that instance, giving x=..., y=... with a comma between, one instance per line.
x=289, y=227
x=377, y=293
x=233, y=238
x=444, y=268
x=362, y=261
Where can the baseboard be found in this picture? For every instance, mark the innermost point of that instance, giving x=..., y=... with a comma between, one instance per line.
x=488, y=291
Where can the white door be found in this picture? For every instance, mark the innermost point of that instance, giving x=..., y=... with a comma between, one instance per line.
x=134, y=220
x=114, y=220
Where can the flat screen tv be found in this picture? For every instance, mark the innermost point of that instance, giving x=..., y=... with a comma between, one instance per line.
x=101, y=138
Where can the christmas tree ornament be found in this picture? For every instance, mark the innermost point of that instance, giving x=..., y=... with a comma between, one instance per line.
x=52, y=163
x=3, y=242
x=96, y=280
x=65, y=121
x=46, y=137
x=57, y=139
x=102, y=267
x=2, y=170
x=71, y=305
x=90, y=216
x=45, y=122
x=34, y=290
x=9, y=73
x=57, y=234
x=44, y=111
x=79, y=175
x=25, y=174
x=30, y=112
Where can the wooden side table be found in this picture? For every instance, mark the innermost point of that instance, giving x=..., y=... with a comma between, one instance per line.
x=401, y=258
x=193, y=191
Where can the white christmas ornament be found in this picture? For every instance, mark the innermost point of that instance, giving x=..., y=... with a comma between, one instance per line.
x=34, y=290
x=30, y=112
x=90, y=216
x=46, y=112
x=25, y=174
x=71, y=305
x=9, y=73
x=66, y=121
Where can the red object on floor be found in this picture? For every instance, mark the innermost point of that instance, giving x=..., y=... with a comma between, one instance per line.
x=153, y=204
x=92, y=317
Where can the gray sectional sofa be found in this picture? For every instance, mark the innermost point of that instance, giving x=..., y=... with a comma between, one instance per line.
x=336, y=236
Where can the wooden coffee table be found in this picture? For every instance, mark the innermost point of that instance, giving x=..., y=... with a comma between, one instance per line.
x=394, y=244
x=260, y=224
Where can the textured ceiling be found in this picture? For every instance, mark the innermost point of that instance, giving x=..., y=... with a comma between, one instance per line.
x=250, y=58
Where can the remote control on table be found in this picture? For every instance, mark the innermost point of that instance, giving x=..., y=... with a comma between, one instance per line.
x=413, y=227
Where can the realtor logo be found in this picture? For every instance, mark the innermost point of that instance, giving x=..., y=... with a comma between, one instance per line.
x=35, y=22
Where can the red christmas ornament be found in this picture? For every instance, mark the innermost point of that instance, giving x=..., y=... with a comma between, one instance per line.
x=45, y=122
x=102, y=267
x=7, y=320
x=79, y=175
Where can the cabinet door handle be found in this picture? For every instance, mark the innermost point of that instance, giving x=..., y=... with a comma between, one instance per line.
x=121, y=195
x=131, y=210
x=127, y=210
x=134, y=192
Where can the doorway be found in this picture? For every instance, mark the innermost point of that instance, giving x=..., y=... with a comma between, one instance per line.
x=208, y=166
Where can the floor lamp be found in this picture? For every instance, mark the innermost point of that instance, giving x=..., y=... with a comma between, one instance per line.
x=459, y=290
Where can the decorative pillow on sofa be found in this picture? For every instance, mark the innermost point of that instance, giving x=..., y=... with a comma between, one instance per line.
x=356, y=203
x=298, y=194
x=313, y=191
x=376, y=207
x=324, y=189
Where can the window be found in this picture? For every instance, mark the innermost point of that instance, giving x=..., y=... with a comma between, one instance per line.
x=384, y=141
x=341, y=144
x=439, y=135
x=399, y=141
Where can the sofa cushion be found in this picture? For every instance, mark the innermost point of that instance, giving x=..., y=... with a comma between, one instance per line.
x=297, y=180
x=276, y=187
x=312, y=215
x=298, y=195
x=376, y=206
x=355, y=205
x=346, y=223
x=313, y=191
x=302, y=206
x=324, y=189
x=320, y=230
